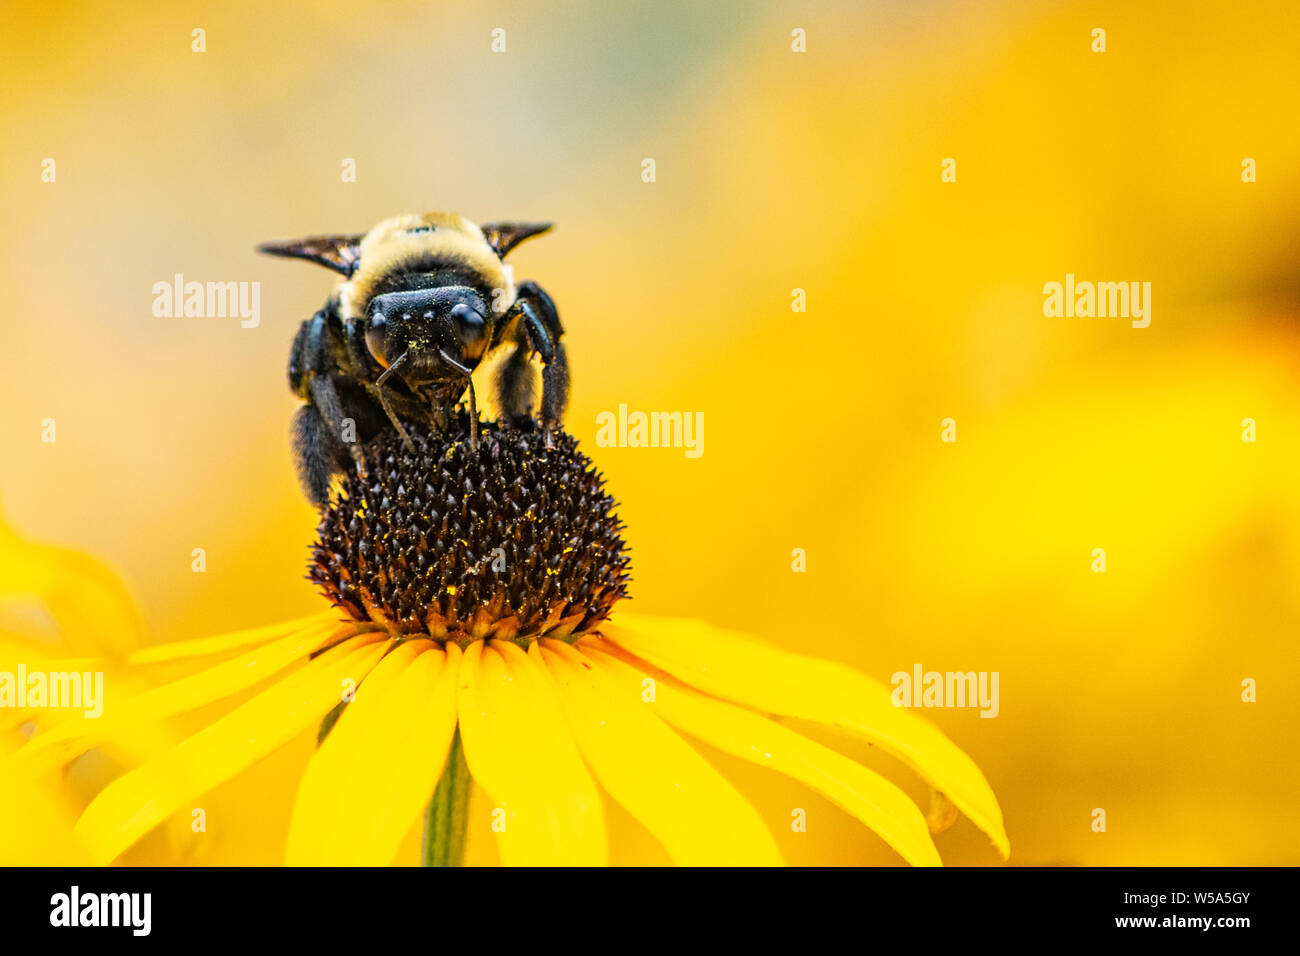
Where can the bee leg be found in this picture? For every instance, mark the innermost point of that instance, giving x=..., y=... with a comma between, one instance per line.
x=298, y=358
x=514, y=386
x=541, y=326
x=555, y=387
x=316, y=454
x=342, y=427
x=312, y=368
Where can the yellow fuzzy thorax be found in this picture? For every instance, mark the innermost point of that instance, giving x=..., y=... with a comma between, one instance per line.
x=391, y=246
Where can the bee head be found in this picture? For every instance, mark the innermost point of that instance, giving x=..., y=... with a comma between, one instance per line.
x=429, y=335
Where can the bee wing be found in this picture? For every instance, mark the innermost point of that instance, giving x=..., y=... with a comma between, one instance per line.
x=340, y=253
x=504, y=236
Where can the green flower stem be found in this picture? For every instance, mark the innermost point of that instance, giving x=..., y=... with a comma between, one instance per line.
x=448, y=813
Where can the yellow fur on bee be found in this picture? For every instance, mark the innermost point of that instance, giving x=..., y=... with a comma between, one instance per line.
x=390, y=245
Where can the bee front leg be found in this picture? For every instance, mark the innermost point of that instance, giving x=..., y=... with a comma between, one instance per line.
x=514, y=384
x=540, y=332
x=312, y=366
x=317, y=445
x=342, y=426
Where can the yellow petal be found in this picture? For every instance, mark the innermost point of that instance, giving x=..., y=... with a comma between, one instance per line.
x=520, y=751
x=35, y=821
x=15, y=648
x=67, y=740
x=94, y=612
x=136, y=802
x=18, y=652
x=237, y=640
x=768, y=679
x=375, y=773
x=868, y=796
x=700, y=819
x=329, y=770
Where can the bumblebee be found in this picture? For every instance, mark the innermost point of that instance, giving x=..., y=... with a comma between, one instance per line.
x=423, y=300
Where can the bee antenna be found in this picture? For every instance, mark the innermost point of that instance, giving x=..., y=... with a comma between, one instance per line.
x=473, y=407
x=388, y=409
x=379, y=382
x=473, y=418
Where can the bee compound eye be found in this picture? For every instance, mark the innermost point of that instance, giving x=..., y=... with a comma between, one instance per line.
x=470, y=324
x=377, y=335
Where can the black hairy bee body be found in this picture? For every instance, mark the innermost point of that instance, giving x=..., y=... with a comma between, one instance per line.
x=424, y=299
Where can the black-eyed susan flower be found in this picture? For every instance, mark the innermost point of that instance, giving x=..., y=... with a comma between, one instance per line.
x=481, y=644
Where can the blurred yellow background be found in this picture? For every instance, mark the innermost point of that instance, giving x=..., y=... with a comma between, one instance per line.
x=775, y=170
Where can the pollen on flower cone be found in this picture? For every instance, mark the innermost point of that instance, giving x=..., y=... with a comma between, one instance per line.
x=514, y=539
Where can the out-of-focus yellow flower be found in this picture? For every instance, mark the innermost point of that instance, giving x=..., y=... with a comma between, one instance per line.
x=35, y=821
x=92, y=610
x=67, y=621
x=90, y=613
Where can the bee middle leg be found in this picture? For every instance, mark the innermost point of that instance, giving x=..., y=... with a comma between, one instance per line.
x=318, y=456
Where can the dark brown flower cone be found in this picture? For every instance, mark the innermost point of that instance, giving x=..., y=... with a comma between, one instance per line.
x=516, y=539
